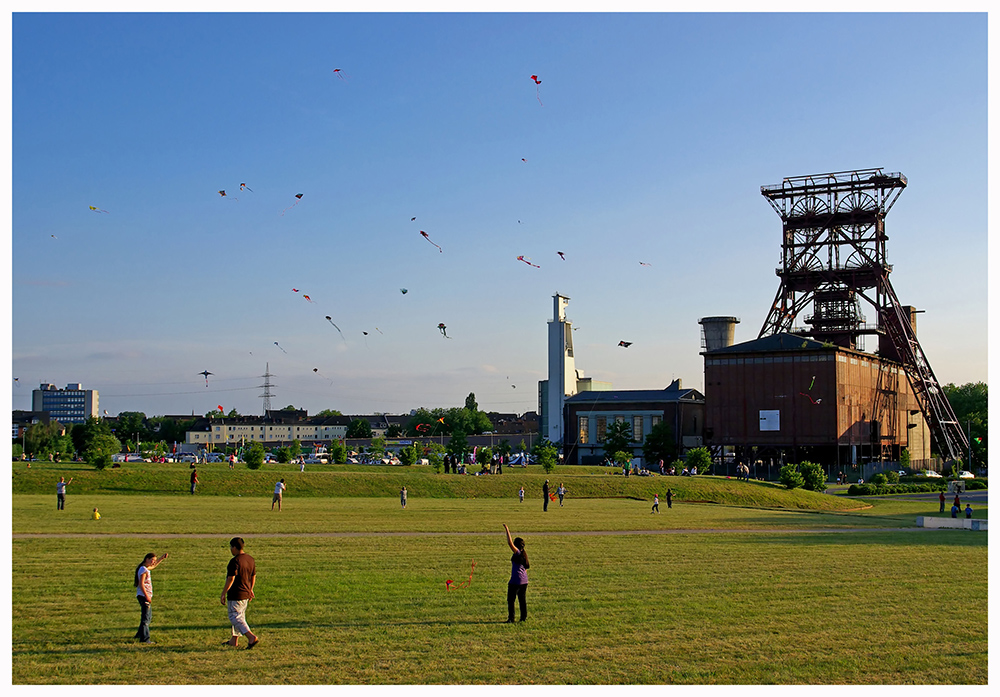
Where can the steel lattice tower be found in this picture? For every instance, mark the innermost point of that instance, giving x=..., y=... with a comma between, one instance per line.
x=267, y=388
x=833, y=254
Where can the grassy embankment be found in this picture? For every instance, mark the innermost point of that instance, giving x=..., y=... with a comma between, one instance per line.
x=421, y=482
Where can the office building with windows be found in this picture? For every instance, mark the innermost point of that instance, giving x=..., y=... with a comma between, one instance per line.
x=71, y=405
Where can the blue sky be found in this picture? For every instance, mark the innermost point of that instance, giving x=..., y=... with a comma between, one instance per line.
x=648, y=140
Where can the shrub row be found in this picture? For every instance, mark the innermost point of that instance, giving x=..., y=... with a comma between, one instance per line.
x=883, y=489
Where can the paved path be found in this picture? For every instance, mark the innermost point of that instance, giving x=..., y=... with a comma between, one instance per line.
x=199, y=535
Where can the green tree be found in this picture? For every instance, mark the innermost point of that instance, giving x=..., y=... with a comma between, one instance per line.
x=484, y=455
x=904, y=460
x=660, y=444
x=700, y=458
x=547, y=457
x=132, y=424
x=337, y=452
x=470, y=403
x=283, y=455
x=813, y=476
x=522, y=447
x=458, y=446
x=40, y=438
x=170, y=430
x=233, y=414
x=359, y=428
x=254, y=455
x=970, y=402
x=377, y=447
x=790, y=476
x=328, y=412
x=410, y=454
x=504, y=448
x=16, y=451
x=394, y=431
x=618, y=437
x=100, y=448
x=82, y=434
x=435, y=456
x=295, y=449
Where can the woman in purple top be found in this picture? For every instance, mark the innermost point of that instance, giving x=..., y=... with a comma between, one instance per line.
x=518, y=584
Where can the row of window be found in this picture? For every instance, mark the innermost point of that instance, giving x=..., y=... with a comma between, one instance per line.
x=761, y=360
x=638, y=421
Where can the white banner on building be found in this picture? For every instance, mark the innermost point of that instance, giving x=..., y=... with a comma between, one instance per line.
x=770, y=420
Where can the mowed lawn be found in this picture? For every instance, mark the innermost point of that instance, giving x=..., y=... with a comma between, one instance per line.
x=780, y=597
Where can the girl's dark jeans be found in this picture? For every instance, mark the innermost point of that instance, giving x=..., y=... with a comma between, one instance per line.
x=519, y=591
x=147, y=614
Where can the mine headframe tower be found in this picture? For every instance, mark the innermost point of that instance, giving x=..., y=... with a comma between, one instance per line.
x=833, y=254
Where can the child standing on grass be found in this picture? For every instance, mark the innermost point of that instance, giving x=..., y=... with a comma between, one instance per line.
x=656, y=504
x=520, y=494
x=144, y=593
x=402, y=497
x=279, y=488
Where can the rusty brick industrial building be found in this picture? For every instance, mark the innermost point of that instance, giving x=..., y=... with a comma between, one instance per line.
x=787, y=398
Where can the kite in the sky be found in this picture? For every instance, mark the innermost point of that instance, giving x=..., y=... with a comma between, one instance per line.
x=309, y=299
x=16, y=379
x=295, y=290
x=379, y=331
x=463, y=584
x=413, y=218
x=427, y=237
x=96, y=209
x=339, y=73
x=537, y=83
x=642, y=263
x=523, y=160
x=279, y=346
x=625, y=344
x=244, y=186
x=221, y=409
x=404, y=291
x=526, y=261
x=298, y=198
x=812, y=382
x=443, y=329
x=814, y=401
x=561, y=256
x=330, y=320
x=53, y=237
x=423, y=427
x=206, y=374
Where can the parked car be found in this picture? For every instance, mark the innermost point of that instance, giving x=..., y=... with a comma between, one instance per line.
x=188, y=457
x=133, y=458
x=965, y=474
x=930, y=473
x=315, y=460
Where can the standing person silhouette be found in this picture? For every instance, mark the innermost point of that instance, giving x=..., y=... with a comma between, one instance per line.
x=545, y=495
x=518, y=584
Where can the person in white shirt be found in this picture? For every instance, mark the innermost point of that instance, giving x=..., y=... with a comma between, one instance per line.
x=279, y=488
x=61, y=492
x=144, y=593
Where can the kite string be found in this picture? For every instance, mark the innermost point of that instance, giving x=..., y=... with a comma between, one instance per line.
x=465, y=584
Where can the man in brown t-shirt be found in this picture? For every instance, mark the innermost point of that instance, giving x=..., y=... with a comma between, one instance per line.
x=241, y=574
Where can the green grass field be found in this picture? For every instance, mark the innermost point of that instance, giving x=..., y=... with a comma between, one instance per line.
x=351, y=589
